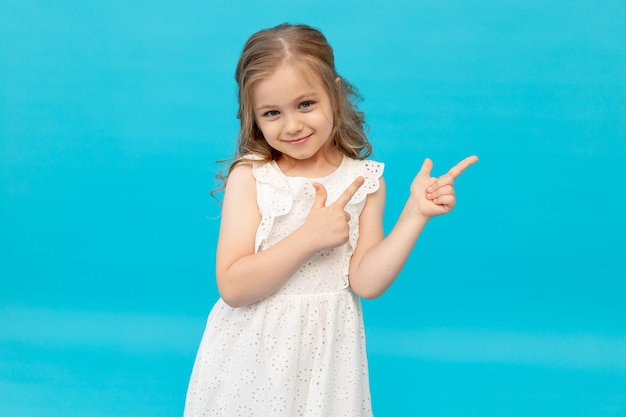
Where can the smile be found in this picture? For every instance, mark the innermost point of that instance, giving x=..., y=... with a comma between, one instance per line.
x=298, y=141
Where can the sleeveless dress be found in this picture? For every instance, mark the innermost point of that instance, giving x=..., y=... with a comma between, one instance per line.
x=301, y=351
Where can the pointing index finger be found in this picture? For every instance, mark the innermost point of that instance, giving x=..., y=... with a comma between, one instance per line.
x=458, y=169
x=347, y=195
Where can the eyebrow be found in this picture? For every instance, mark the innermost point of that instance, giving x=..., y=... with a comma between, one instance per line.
x=301, y=97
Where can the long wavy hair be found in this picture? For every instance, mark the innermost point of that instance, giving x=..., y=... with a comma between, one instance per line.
x=306, y=47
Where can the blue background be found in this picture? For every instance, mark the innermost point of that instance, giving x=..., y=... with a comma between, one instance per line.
x=112, y=114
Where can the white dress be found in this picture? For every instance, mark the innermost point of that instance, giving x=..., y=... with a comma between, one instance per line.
x=301, y=351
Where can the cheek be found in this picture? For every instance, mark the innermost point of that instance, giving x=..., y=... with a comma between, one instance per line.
x=328, y=121
x=328, y=115
x=267, y=130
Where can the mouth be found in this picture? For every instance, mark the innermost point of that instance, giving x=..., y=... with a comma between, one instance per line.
x=299, y=140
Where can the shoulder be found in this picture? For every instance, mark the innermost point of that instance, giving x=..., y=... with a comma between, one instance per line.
x=240, y=183
x=247, y=166
x=239, y=206
x=241, y=172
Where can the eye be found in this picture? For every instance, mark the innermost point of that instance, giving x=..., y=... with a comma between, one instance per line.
x=271, y=113
x=305, y=105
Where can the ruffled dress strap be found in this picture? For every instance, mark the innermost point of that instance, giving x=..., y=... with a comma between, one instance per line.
x=274, y=197
x=371, y=171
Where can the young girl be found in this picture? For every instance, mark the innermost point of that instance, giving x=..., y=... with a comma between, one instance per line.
x=301, y=240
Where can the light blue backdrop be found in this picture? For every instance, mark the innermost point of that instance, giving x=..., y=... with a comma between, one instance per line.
x=112, y=114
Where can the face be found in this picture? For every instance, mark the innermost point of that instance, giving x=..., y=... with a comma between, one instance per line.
x=294, y=113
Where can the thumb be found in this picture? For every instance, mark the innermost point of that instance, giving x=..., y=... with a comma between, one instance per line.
x=320, y=195
x=426, y=168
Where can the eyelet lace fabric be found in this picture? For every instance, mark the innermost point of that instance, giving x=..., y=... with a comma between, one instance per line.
x=301, y=351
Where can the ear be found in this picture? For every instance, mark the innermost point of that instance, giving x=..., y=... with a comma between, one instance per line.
x=338, y=80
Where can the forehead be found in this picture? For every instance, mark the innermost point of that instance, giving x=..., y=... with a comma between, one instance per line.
x=286, y=82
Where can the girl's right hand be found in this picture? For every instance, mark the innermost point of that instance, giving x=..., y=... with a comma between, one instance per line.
x=327, y=226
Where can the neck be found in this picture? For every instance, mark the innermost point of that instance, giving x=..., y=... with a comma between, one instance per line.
x=320, y=165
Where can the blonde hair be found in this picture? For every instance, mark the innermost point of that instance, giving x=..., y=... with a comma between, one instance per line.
x=300, y=45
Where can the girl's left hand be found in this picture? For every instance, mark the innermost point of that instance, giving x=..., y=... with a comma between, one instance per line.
x=435, y=196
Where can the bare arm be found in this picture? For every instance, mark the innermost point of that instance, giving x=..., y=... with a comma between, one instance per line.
x=244, y=276
x=378, y=260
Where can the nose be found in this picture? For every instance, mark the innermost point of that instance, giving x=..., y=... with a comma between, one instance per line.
x=293, y=124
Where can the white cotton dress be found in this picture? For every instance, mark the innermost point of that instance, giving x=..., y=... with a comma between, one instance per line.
x=301, y=351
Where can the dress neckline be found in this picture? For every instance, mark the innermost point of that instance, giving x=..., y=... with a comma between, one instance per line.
x=302, y=177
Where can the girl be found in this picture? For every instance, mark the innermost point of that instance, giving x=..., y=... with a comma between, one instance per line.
x=301, y=239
